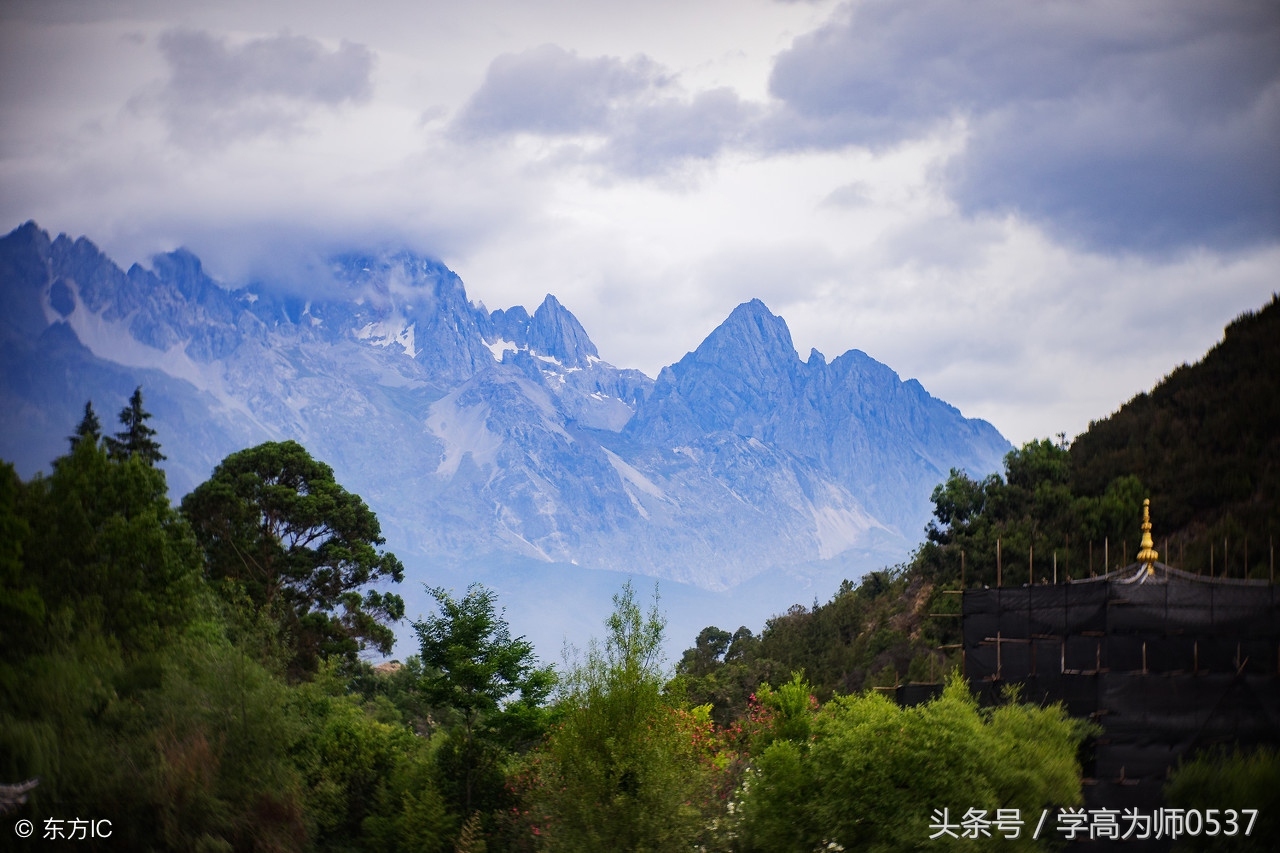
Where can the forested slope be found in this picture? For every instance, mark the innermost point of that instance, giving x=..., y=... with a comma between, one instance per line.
x=1203, y=446
x=1205, y=441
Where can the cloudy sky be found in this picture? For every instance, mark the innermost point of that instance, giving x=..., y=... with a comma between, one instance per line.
x=1035, y=208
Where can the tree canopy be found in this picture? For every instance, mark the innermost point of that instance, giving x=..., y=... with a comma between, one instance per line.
x=274, y=523
x=864, y=773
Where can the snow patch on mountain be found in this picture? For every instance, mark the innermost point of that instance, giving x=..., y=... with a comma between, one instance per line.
x=463, y=430
x=634, y=477
x=500, y=346
x=394, y=330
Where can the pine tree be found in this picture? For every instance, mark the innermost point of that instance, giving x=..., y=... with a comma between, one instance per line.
x=137, y=438
x=89, y=427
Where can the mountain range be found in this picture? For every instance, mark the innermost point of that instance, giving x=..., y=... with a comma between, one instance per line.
x=486, y=438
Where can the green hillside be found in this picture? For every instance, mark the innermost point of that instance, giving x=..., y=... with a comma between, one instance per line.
x=1203, y=445
x=1206, y=443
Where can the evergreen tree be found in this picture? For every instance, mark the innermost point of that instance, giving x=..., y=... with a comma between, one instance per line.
x=137, y=439
x=107, y=550
x=22, y=609
x=89, y=427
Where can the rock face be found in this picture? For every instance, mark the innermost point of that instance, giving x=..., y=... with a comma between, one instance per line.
x=486, y=436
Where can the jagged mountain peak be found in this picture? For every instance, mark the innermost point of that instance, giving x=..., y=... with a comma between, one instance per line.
x=30, y=233
x=181, y=262
x=555, y=332
x=736, y=381
x=753, y=329
x=752, y=342
x=182, y=269
x=552, y=332
x=401, y=277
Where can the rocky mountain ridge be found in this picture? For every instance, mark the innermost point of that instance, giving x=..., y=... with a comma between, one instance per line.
x=487, y=436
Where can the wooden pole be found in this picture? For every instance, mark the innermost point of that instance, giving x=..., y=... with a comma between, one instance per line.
x=998, y=568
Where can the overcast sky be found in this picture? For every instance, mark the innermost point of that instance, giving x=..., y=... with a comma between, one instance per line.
x=1037, y=209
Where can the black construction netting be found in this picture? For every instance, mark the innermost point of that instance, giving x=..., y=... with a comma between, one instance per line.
x=1165, y=662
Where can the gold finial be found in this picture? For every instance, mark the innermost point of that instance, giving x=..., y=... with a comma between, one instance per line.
x=1148, y=554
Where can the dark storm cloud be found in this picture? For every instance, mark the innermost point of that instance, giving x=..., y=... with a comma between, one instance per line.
x=1138, y=125
x=650, y=139
x=216, y=92
x=647, y=125
x=549, y=90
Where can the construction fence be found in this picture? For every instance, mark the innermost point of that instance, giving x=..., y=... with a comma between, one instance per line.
x=1166, y=662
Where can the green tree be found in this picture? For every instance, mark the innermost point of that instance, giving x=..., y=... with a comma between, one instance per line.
x=216, y=740
x=136, y=440
x=618, y=772
x=21, y=606
x=1032, y=513
x=490, y=686
x=107, y=550
x=369, y=784
x=788, y=711
x=274, y=523
x=707, y=653
x=723, y=670
x=874, y=771
x=88, y=428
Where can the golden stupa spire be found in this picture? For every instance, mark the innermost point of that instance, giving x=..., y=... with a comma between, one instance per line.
x=1148, y=554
